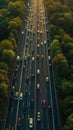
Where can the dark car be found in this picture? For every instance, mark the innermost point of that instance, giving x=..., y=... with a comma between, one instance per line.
x=43, y=103
x=18, y=121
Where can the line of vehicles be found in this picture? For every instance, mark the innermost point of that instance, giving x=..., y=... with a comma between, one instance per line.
x=17, y=95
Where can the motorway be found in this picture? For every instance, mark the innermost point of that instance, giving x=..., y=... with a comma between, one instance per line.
x=33, y=94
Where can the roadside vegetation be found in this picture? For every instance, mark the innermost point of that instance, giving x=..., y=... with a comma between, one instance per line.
x=60, y=17
x=11, y=19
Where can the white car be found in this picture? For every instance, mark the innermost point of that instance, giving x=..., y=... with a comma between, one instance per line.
x=38, y=56
x=30, y=122
x=16, y=95
x=47, y=79
x=38, y=45
x=41, y=32
x=21, y=96
x=38, y=71
x=13, y=87
x=44, y=42
x=33, y=58
x=49, y=57
x=41, y=43
x=38, y=86
x=22, y=32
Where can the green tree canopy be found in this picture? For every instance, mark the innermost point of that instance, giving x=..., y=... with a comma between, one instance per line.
x=8, y=56
x=61, y=65
x=15, y=23
x=6, y=44
x=16, y=8
x=69, y=123
x=55, y=47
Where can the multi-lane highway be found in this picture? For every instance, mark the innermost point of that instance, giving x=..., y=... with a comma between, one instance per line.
x=33, y=100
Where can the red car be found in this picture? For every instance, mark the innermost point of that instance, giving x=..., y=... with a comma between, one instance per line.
x=43, y=103
x=19, y=121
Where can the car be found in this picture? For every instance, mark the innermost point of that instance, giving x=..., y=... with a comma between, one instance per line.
x=38, y=31
x=49, y=107
x=47, y=31
x=16, y=95
x=33, y=58
x=43, y=103
x=37, y=55
x=28, y=55
x=38, y=45
x=38, y=71
x=47, y=79
x=24, y=67
x=21, y=96
x=44, y=23
x=28, y=29
x=44, y=42
x=18, y=121
x=32, y=75
x=41, y=32
x=41, y=43
x=38, y=38
x=16, y=68
x=22, y=32
x=38, y=116
x=25, y=58
x=48, y=49
x=30, y=122
x=27, y=78
x=37, y=25
x=49, y=57
x=42, y=56
x=49, y=64
x=38, y=86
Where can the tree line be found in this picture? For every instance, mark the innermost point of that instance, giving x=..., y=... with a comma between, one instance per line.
x=60, y=17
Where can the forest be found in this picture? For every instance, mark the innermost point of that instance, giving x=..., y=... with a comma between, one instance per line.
x=12, y=14
x=60, y=18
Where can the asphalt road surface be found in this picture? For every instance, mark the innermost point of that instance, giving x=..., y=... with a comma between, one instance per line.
x=33, y=100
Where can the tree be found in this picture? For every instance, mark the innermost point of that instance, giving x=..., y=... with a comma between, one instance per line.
x=4, y=32
x=16, y=8
x=8, y=56
x=6, y=44
x=66, y=107
x=4, y=76
x=69, y=122
x=55, y=47
x=67, y=88
x=15, y=23
x=61, y=65
x=4, y=66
